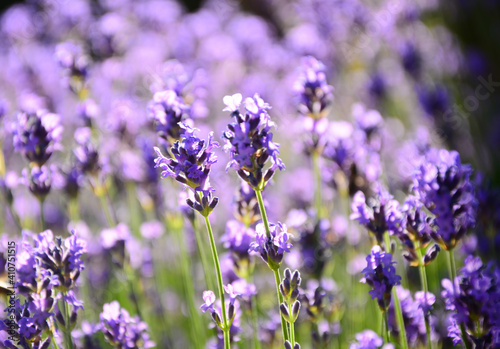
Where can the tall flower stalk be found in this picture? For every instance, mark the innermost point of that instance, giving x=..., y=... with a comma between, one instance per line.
x=190, y=162
x=250, y=144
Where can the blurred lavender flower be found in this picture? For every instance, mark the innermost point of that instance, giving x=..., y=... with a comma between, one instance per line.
x=250, y=142
x=378, y=214
x=313, y=92
x=473, y=297
x=190, y=165
x=246, y=206
x=87, y=156
x=443, y=185
x=31, y=321
x=413, y=316
x=380, y=274
x=418, y=229
x=168, y=111
x=238, y=239
x=368, y=339
x=37, y=135
x=38, y=180
x=271, y=250
x=123, y=331
x=75, y=64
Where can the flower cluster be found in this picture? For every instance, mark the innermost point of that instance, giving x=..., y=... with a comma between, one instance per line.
x=474, y=297
x=443, y=185
x=37, y=135
x=122, y=330
x=413, y=311
x=250, y=142
x=190, y=165
x=380, y=274
x=290, y=307
x=379, y=214
x=272, y=246
x=368, y=340
x=313, y=92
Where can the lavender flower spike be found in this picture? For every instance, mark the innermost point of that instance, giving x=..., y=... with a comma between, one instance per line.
x=380, y=274
x=250, y=142
x=271, y=250
x=443, y=185
x=190, y=165
x=313, y=92
x=37, y=135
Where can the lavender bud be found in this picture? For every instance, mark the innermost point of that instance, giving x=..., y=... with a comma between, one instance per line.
x=231, y=311
x=295, y=310
x=60, y=318
x=431, y=254
x=46, y=343
x=284, y=312
x=216, y=318
x=288, y=345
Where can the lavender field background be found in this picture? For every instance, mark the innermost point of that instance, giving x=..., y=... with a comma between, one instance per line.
x=254, y=174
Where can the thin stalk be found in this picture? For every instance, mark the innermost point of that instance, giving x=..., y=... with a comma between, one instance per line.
x=317, y=185
x=284, y=327
x=203, y=255
x=54, y=343
x=74, y=209
x=42, y=215
x=397, y=304
x=262, y=208
x=215, y=256
x=423, y=280
x=263, y=213
x=67, y=332
x=292, y=327
x=255, y=324
x=387, y=335
x=453, y=276
x=196, y=330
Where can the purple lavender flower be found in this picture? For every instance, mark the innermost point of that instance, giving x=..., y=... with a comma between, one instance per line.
x=379, y=214
x=413, y=316
x=443, y=185
x=418, y=229
x=61, y=258
x=75, y=64
x=31, y=323
x=473, y=297
x=411, y=60
x=209, y=299
x=250, y=142
x=238, y=239
x=38, y=180
x=123, y=331
x=86, y=155
x=190, y=165
x=37, y=135
x=313, y=92
x=271, y=250
x=367, y=339
x=380, y=274
x=168, y=111
x=246, y=206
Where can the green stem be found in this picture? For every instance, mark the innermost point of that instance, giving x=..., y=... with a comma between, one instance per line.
x=203, y=256
x=284, y=327
x=317, y=185
x=292, y=327
x=453, y=276
x=67, y=332
x=263, y=213
x=262, y=208
x=423, y=280
x=215, y=256
x=387, y=335
x=196, y=330
x=42, y=215
x=397, y=304
x=74, y=209
x=255, y=324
